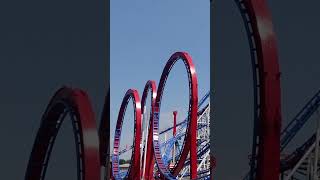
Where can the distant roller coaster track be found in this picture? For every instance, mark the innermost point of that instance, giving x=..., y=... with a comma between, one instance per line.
x=150, y=86
x=153, y=149
x=189, y=144
x=265, y=164
x=134, y=169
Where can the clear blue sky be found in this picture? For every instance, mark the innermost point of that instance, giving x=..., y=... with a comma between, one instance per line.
x=144, y=34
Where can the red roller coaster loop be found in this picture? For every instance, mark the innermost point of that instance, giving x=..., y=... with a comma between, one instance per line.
x=134, y=169
x=265, y=164
x=76, y=103
x=150, y=85
x=189, y=144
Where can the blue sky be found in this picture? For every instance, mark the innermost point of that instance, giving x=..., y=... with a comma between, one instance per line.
x=144, y=34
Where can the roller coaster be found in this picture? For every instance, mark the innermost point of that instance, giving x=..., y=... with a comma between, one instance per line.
x=187, y=150
x=185, y=155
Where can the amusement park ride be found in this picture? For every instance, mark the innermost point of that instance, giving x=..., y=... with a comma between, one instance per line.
x=186, y=155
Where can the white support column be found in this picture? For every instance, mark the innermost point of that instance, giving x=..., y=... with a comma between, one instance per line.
x=308, y=153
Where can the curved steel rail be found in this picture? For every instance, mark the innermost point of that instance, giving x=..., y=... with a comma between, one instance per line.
x=174, y=140
x=77, y=104
x=293, y=128
x=290, y=161
x=150, y=86
x=267, y=94
x=190, y=140
x=182, y=123
x=181, y=126
x=299, y=120
x=134, y=169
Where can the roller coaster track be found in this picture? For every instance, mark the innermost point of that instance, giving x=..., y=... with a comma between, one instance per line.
x=290, y=161
x=181, y=125
x=191, y=123
x=89, y=150
x=203, y=145
x=293, y=128
x=76, y=103
x=299, y=161
x=134, y=169
x=299, y=120
x=265, y=164
x=150, y=86
x=169, y=143
x=201, y=102
x=189, y=144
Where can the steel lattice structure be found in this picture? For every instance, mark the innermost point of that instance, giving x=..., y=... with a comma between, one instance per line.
x=167, y=145
x=302, y=163
x=134, y=170
x=189, y=143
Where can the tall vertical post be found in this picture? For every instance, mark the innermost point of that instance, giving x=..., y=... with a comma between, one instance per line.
x=174, y=134
x=175, y=122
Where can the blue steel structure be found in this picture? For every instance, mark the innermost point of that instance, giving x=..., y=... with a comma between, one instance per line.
x=167, y=146
x=299, y=120
x=181, y=125
x=291, y=130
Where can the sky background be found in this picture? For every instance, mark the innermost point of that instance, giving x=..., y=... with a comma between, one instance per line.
x=44, y=45
x=144, y=34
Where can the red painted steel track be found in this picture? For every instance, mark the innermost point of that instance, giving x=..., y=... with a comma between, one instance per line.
x=269, y=125
x=150, y=86
x=134, y=171
x=267, y=93
x=189, y=145
x=76, y=103
x=153, y=150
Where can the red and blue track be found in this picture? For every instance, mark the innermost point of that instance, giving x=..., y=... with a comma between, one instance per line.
x=92, y=145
